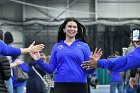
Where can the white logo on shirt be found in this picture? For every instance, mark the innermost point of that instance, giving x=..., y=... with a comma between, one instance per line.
x=78, y=45
x=60, y=47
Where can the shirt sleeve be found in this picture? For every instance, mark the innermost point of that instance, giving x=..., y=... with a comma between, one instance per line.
x=87, y=54
x=24, y=67
x=52, y=64
x=129, y=61
x=7, y=50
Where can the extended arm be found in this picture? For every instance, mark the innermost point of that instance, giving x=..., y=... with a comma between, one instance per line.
x=16, y=63
x=129, y=61
x=32, y=47
x=7, y=50
x=47, y=67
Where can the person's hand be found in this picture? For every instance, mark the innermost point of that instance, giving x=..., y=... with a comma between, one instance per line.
x=35, y=55
x=131, y=82
x=94, y=58
x=18, y=61
x=97, y=54
x=35, y=48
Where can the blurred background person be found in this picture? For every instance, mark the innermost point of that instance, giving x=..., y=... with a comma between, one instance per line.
x=94, y=80
x=8, y=39
x=134, y=81
x=48, y=77
x=35, y=83
x=19, y=86
x=116, y=81
x=5, y=71
x=131, y=76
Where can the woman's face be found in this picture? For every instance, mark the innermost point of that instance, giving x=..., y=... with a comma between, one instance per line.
x=71, y=29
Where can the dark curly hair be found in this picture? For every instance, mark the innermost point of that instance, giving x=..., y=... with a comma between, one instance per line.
x=81, y=35
x=8, y=38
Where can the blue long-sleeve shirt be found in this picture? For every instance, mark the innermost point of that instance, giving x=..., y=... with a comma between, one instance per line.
x=129, y=61
x=66, y=62
x=7, y=50
x=115, y=77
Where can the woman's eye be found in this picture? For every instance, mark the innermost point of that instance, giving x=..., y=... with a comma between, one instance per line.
x=74, y=27
x=69, y=26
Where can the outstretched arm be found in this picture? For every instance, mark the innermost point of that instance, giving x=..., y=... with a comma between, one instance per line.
x=129, y=61
x=16, y=63
x=7, y=50
x=32, y=47
x=46, y=67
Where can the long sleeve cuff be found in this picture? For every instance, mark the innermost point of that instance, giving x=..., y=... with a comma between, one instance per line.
x=39, y=61
x=99, y=63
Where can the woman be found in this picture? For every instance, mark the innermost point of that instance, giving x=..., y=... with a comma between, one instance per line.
x=19, y=86
x=66, y=58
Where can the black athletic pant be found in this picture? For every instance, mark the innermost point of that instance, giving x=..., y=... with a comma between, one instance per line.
x=70, y=87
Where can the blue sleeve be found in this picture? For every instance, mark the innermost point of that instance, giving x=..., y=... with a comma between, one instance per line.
x=39, y=69
x=49, y=68
x=129, y=61
x=7, y=50
x=24, y=67
x=87, y=54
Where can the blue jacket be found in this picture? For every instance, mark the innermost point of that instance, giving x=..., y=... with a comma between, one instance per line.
x=7, y=50
x=129, y=61
x=115, y=77
x=66, y=62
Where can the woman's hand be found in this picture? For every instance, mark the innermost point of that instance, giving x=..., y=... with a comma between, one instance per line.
x=18, y=61
x=94, y=58
x=35, y=55
x=35, y=48
x=32, y=48
x=96, y=55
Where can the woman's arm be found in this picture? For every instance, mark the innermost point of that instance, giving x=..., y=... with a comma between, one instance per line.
x=24, y=67
x=31, y=48
x=129, y=61
x=47, y=67
x=7, y=50
x=16, y=63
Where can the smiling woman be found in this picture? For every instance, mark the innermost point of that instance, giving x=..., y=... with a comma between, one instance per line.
x=67, y=55
x=70, y=30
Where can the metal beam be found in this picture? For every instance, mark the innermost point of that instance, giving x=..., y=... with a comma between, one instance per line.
x=120, y=1
x=46, y=14
x=3, y=1
x=70, y=5
x=50, y=8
